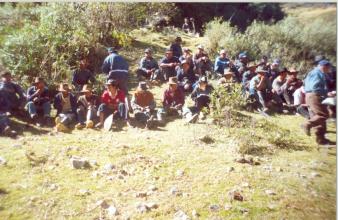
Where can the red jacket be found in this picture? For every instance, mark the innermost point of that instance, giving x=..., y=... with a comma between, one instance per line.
x=172, y=99
x=119, y=98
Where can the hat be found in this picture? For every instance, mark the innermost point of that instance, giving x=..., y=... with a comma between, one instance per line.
x=86, y=88
x=112, y=82
x=142, y=86
x=260, y=69
x=172, y=81
x=178, y=39
x=242, y=55
x=6, y=73
x=64, y=87
x=293, y=70
x=185, y=49
x=38, y=80
x=203, y=79
x=228, y=71
x=222, y=52
x=284, y=70
x=324, y=63
x=276, y=61
x=110, y=49
x=251, y=64
x=318, y=58
x=200, y=47
x=148, y=50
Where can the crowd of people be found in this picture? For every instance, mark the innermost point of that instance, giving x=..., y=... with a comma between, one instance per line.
x=269, y=87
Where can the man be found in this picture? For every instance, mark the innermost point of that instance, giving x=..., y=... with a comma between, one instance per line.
x=227, y=80
x=13, y=92
x=176, y=47
x=300, y=104
x=82, y=76
x=186, y=76
x=221, y=62
x=188, y=57
x=38, y=100
x=5, y=128
x=113, y=103
x=192, y=24
x=65, y=105
x=173, y=100
x=186, y=26
x=87, y=105
x=248, y=75
x=273, y=70
x=116, y=67
x=168, y=64
x=279, y=85
x=264, y=63
x=315, y=91
x=201, y=61
x=148, y=67
x=241, y=64
x=143, y=104
x=292, y=84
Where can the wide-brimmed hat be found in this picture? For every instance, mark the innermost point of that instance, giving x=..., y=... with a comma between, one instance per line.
x=86, y=88
x=112, y=82
x=38, y=80
x=142, y=86
x=64, y=87
x=251, y=64
x=172, y=81
x=6, y=73
x=260, y=69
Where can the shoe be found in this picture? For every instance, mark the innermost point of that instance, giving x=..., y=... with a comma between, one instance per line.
x=9, y=132
x=80, y=126
x=89, y=124
x=99, y=125
x=62, y=128
x=193, y=118
x=306, y=129
x=150, y=123
x=57, y=120
x=202, y=116
x=324, y=141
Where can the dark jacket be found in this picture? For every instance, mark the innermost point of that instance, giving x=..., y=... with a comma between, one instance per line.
x=81, y=77
x=58, y=102
x=42, y=98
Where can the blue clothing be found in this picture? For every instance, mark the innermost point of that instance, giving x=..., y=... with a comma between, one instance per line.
x=58, y=103
x=247, y=76
x=14, y=94
x=148, y=64
x=33, y=108
x=4, y=121
x=115, y=62
x=81, y=77
x=181, y=76
x=177, y=49
x=315, y=82
x=42, y=98
x=221, y=64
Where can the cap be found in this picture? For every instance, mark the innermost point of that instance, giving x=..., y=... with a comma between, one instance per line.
x=324, y=63
x=112, y=82
x=242, y=55
x=276, y=61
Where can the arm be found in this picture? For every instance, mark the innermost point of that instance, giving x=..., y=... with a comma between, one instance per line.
x=106, y=65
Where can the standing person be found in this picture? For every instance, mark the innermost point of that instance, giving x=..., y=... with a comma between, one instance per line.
x=202, y=62
x=113, y=103
x=221, y=62
x=5, y=128
x=143, y=104
x=186, y=76
x=65, y=105
x=186, y=26
x=315, y=91
x=87, y=105
x=168, y=65
x=38, y=100
x=82, y=75
x=192, y=26
x=148, y=67
x=176, y=47
x=116, y=67
x=13, y=92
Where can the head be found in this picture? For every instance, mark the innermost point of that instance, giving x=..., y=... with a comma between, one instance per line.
x=65, y=89
x=317, y=59
x=293, y=73
x=275, y=64
x=252, y=67
x=264, y=60
x=112, y=85
x=148, y=53
x=324, y=66
x=283, y=73
x=169, y=54
x=6, y=76
x=142, y=86
x=186, y=20
x=87, y=90
x=39, y=83
x=222, y=54
x=200, y=48
x=186, y=51
x=178, y=40
x=203, y=82
x=260, y=74
x=243, y=57
x=83, y=64
x=172, y=83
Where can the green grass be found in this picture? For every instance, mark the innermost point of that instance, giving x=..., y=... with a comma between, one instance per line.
x=154, y=157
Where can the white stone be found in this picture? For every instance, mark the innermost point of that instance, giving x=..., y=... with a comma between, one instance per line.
x=270, y=192
x=112, y=211
x=180, y=215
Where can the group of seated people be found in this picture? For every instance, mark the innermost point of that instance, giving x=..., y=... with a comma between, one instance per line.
x=185, y=74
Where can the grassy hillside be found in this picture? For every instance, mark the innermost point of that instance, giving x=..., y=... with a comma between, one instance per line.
x=171, y=167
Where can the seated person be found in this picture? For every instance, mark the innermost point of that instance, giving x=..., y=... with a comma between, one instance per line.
x=186, y=26
x=143, y=105
x=241, y=64
x=38, y=100
x=82, y=76
x=65, y=105
x=202, y=63
x=168, y=65
x=188, y=57
x=87, y=105
x=221, y=63
x=173, y=100
x=273, y=70
x=113, y=102
x=176, y=47
x=264, y=63
x=292, y=84
x=5, y=128
x=185, y=76
x=300, y=104
x=148, y=67
x=13, y=92
x=227, y=79
x=248, y=75
x=279, y=85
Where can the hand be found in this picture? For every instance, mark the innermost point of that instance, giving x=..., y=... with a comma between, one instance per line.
x=172, y=64
x=331, y=94
x=35, y=99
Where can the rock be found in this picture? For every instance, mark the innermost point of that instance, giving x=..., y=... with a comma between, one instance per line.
x=245, y=184
x=227, y=207
x=19, y=146
x=230, y=169
x=214, y=208
x=108, y=167
x=93, y=163
x=84, y=192
x=3, y=161
x=272, y=206
x=235, y=195
x=270, y=192
x=152, y=188
x=175, y=192
x=180, y=173
x=142, y=208
x=180, y=215
x=314, y=174
x=102, y=203
x=53, y=187
x=279, y=169
x=195, y=214
x=244, y=210
x=112, y=211
x=141, y=195
x=152, y=205
x=79, y=163
x=207, y=139
x=250, y=161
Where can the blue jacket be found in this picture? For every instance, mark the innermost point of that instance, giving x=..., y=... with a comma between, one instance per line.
x=177, y=50
x=11, y=90
x=221, y=64
x=58, y=102
x=114, y=62
x=189, y=75
x=146, y=64
x=315, y=82
x=4, y=106
x=43, y=97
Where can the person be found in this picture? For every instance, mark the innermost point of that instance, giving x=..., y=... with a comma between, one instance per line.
x=173, y=100
x=201, y=61
x=143, y=104
x=188, y=57
x=264, y=63
x=315, y=91
x=279, y=85
x=168, y=65
x=248, y=75
x=113, y=102
x=65, y=105
x=5, y=128
x=221, y=62
x=292, y=84
x=116, y=67
x=148, y=67
x=300, y=104
x=82, y=75
x=227, y=80
x=38, y=100
x=87, y=105
x=176, y=47
x=185, y=76
x=273, y=70
x=241, y=63
x=192, y=26
x=13, y=92
x=186, y=26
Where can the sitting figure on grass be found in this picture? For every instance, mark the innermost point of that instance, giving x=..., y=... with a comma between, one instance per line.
x=87, y=105
x=168, y=65
x=292, y=84
x=143, y=105
x=248, y=75
x=148, y=67
x=65, y=105
x=279, y=85
x=186, y=76
x=202, y=62
x=227, y=80
x=113, y=105
x=221, y=63
x=38, y=101
x=82, y=75
x=5, y=128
